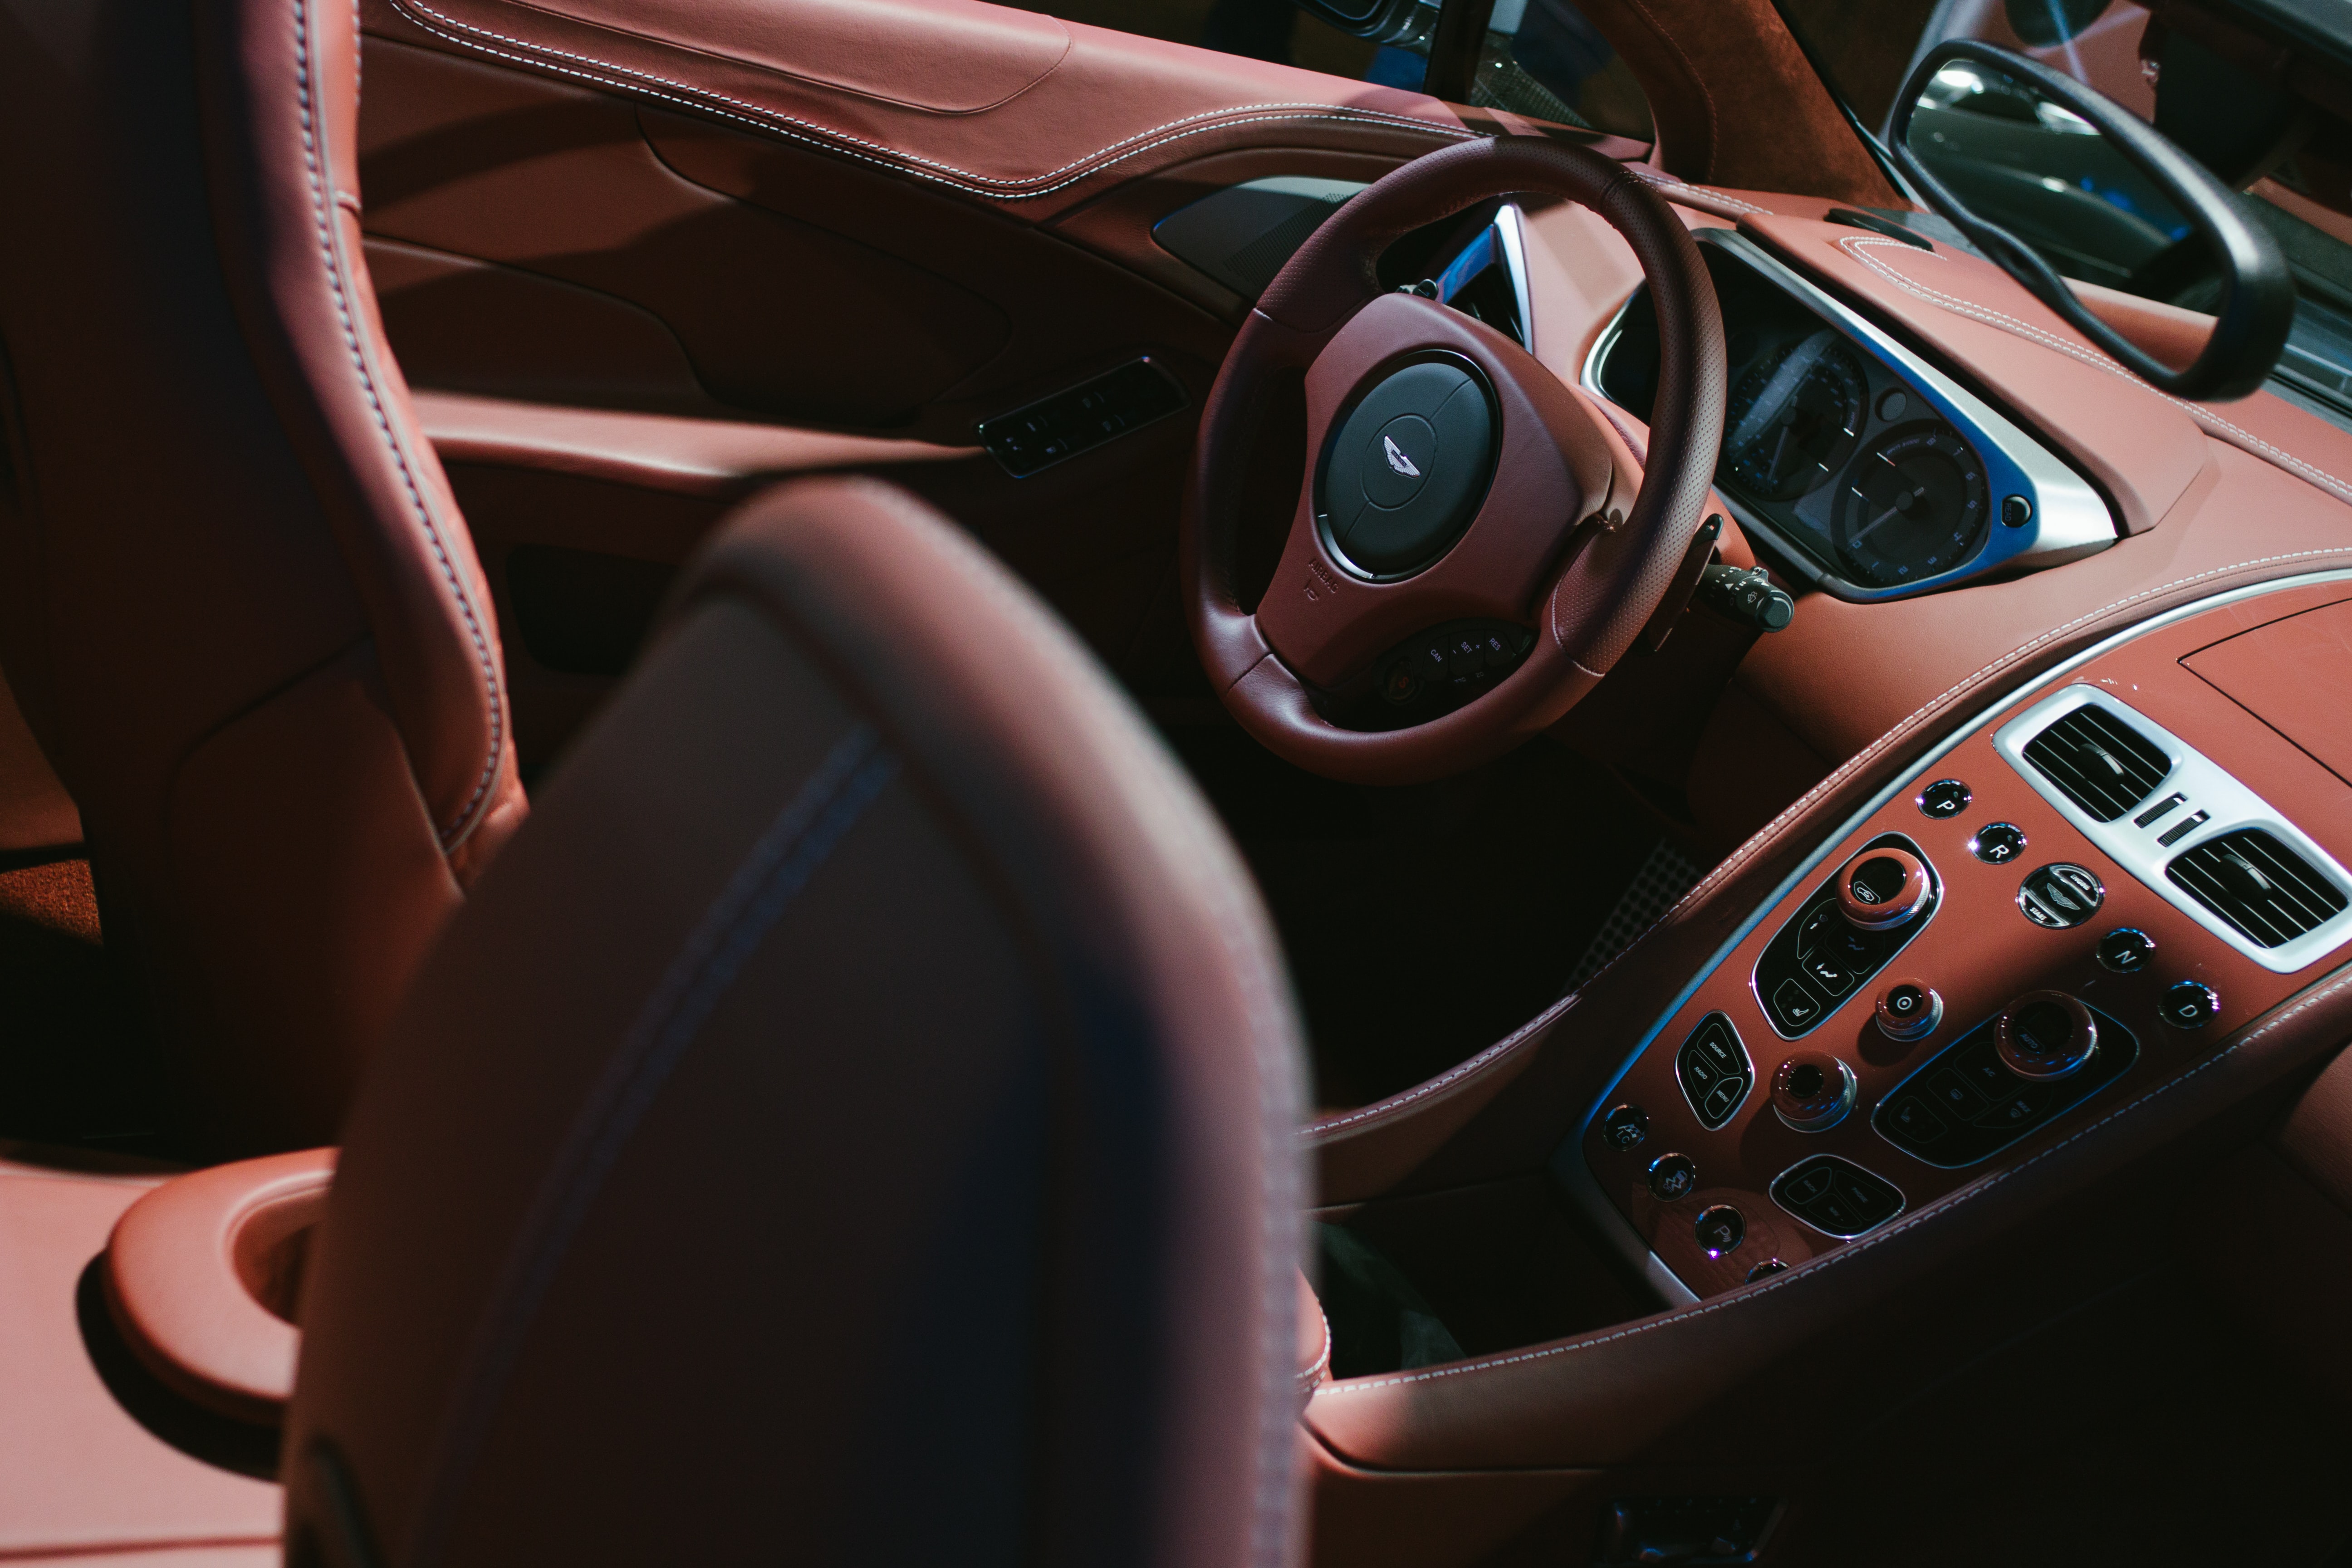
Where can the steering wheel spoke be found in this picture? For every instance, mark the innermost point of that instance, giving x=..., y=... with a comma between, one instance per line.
x=1448, y=476
x=1416, y=508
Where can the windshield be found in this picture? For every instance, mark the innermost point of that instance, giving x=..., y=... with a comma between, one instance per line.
x=2222, y=79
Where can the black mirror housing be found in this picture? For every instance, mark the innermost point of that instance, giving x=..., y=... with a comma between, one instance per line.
x=1401, y=22
x=2257, y=304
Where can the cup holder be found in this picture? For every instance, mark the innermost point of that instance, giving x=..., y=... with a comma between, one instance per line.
x=204, y=1280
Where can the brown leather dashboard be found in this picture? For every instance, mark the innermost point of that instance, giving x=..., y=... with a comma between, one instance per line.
x=1003, y=105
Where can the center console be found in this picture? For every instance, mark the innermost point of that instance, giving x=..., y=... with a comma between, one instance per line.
x=2070, y=906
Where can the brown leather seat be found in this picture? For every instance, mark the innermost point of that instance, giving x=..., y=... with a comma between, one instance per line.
x=238, y=602
x=853, y=1120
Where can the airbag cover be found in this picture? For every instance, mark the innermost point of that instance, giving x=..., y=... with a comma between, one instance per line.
x=1408, y=468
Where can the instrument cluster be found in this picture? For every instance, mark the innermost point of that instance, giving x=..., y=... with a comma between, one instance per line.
x=1874, y=473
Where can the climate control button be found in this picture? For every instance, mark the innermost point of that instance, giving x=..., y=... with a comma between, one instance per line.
x=2044, y=1034
x=1812, y=1091
x=1880, y=889
x=1909, y=1010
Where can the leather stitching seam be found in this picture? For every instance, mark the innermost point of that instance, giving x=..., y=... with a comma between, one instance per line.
x=542, y=57
x=323, y=216
x=1390, y=1106
x=1814, y=1267
x=1665, y=185
x=1763, y=836
x=1310, y=1377
x=780, y=73
x=1729, y=200
x=1990, y=317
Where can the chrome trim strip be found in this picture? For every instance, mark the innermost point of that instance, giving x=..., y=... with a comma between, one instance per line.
x=1934, y=1062
x=2070, y=519
x=1510, y=231
x=1502, y=243
x=2211, y=788
x=1567, y=1164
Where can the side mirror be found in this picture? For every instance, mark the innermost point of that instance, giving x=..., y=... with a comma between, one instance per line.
x=2045, y=175
x=1400, y=22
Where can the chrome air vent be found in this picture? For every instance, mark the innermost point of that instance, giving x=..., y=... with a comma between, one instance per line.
x=2259, y=885
x=2103, y=765
x=2184, y=825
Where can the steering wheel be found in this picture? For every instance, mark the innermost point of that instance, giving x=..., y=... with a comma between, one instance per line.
x=1450, y=477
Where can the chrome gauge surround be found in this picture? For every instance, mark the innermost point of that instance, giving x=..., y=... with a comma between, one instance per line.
x=2210, y=788
x=1869, y=529
x=2066, y=517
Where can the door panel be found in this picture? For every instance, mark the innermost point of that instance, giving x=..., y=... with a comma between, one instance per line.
x=778, y=317
x=1111, y=107
x=466, y=325
x=854, y=257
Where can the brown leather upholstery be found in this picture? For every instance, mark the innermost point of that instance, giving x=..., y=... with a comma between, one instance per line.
x=202, y=1277
x=241, y=610
x=854, y=1120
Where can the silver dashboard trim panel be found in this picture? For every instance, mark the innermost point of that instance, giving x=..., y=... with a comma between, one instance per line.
x=1502, y=243
x=2211, y=788
x=2070, y=519
x=1567, y=1164
x=1511, y=236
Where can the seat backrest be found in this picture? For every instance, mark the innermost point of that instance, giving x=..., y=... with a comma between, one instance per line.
x=238, y=601
x=854, y=1120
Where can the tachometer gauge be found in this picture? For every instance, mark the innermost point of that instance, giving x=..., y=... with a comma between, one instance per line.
x=1913, y=506
x=1794, y=418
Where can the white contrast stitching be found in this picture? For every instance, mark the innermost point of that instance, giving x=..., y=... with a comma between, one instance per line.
x=1020, y=188
x=1310, y=1377
x=322, y=213
x=1542, y=1020
x=1667, y=184
x=1853, y=1249
x=1985, y=313
x=1763, y=836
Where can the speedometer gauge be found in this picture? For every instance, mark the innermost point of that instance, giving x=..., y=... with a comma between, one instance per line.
x=1913, y=506
x=1794, y=418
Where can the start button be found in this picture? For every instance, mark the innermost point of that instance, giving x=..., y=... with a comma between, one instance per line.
x=1407, y=470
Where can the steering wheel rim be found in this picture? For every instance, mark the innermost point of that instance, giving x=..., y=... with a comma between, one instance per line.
x=1542, y=546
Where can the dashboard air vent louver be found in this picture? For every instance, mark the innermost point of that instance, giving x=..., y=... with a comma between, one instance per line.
x=2269, y=893
x=2102, y=764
